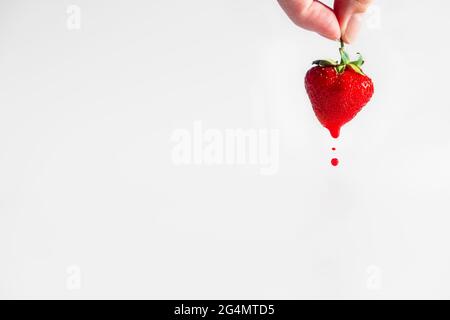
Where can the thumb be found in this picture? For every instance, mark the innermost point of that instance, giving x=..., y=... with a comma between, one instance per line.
x=349, y=14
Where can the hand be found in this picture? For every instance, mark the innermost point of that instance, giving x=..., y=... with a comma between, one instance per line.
x=342, y=22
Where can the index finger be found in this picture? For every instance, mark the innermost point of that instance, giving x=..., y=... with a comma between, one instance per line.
x=313, y=15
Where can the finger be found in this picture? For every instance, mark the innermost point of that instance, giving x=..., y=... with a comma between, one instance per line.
x=349, y=14
x=314, y=16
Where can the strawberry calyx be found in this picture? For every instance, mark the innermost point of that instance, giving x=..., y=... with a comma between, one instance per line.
x=343, y=63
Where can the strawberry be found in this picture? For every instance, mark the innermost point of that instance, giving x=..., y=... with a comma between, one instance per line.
x=338, y=91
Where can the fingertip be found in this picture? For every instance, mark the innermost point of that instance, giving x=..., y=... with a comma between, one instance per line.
x=352, y=28
x=323, y=21
x=349, y=14
x=334, y=35
x=313, y=16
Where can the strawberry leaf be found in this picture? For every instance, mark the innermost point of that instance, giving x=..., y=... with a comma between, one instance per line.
x=356, y=68
x=340, y=68
x=325, y=63
x=358, y=62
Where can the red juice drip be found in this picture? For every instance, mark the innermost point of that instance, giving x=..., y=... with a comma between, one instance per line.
x=334, y=161
x=335, y=130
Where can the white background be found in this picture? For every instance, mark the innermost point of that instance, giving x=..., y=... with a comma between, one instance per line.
x=92, y=205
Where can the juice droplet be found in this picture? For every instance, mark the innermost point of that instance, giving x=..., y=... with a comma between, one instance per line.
x=334, y=149
x=335, y=130
x=334, y=162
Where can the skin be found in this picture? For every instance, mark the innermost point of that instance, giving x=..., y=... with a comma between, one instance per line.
x=340, y=22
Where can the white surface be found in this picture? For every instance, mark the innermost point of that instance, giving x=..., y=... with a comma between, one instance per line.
x=92, y=205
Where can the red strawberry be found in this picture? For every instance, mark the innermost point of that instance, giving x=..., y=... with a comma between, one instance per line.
x=338, y=91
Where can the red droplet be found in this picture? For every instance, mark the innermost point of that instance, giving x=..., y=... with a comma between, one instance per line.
x=334, y=162
x=335, y=130
x=334, y=149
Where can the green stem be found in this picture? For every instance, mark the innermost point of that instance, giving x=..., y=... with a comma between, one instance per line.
x=344, y=63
